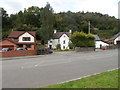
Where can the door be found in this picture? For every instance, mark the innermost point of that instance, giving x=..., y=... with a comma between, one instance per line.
x=50, y=46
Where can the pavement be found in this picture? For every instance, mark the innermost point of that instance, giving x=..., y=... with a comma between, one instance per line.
x=43, y=70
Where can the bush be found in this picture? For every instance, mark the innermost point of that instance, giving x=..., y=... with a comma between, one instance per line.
x=71, y=46
x=80, y=39
x=58, y=46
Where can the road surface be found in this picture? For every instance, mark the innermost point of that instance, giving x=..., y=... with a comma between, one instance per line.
x=43, y=70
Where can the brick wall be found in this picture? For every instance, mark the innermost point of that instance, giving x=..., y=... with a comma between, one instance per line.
x=18, y=53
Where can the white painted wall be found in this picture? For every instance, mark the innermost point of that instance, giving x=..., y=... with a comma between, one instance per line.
x=54, y=43
x=117, y=39
x=65, y=38
x=60, y=41
x=32, y=39
x=98, y=43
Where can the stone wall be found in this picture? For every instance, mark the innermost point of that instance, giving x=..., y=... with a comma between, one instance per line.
x=81, y=49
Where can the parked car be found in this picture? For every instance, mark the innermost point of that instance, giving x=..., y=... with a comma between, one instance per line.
x=20, y=49
x=50, y=51
x=6, y=49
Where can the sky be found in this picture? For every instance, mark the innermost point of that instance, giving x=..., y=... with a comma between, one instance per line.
x=109, y=7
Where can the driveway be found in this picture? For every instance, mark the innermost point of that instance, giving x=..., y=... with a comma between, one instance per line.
x=43, y=70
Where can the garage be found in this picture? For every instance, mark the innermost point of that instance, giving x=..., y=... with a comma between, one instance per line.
x=6, y=43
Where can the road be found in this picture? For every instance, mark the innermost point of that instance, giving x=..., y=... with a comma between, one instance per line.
x=43, y=70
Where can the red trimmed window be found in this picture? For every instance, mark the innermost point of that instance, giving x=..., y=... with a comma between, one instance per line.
x=26, y=38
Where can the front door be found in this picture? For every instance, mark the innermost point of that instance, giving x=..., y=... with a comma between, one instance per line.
x=50, y=46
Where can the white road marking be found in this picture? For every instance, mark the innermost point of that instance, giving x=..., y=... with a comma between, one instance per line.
x=44, y=64
x=36, y=65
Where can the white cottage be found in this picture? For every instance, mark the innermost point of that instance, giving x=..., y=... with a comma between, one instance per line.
x=62, y=38
x=99, y=43
x=115, y=38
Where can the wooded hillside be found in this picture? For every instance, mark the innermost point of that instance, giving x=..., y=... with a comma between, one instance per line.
x=44, y=21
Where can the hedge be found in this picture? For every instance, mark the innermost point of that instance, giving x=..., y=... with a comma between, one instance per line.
x=81, y=39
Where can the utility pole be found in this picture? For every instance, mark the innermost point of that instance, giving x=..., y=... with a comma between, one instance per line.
x=88, y=27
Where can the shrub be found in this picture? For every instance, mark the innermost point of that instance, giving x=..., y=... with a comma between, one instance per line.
x=80, y=39
x=71, y=46
x=58, y=46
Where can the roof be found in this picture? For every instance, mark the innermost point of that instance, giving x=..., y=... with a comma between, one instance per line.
x=97, y=37
x=11, y=40
x=16, y=34
x=59, y=34
x=115, y=36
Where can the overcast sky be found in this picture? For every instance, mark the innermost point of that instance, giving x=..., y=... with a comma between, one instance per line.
x=109, y=7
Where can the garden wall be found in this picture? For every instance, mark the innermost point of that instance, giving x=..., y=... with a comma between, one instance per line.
x=18, y=53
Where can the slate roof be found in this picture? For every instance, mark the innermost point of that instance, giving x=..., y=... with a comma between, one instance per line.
x=16, y=34
x=115, y=36
x=59, y=34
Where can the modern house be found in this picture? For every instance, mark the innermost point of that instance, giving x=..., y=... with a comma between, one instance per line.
x=61, y=38
x=100, y=43
x=115, y=38
x=16, y=39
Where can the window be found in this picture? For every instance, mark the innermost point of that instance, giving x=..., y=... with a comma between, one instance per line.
x=26, y=38
x=63, y=47
x=28, y=45
x=58, y=41
x=64, y=42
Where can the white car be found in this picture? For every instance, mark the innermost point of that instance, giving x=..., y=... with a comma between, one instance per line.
x=5, y=49
x=20, y=49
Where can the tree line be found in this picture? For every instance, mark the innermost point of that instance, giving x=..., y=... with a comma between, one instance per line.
x=44, y=21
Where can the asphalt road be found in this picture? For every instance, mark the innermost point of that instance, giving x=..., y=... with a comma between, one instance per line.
x=44, y=70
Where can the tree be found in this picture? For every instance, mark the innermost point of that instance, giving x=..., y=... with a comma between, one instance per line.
x=47, y=16
x=5, y=23
x=32, y=16
x=5, y=19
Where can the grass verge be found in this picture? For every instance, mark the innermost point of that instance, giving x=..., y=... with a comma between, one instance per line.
x=103, y=80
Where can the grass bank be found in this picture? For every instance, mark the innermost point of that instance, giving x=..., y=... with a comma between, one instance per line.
x=103, y=80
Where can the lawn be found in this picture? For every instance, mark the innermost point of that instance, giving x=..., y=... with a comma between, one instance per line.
x=103, y=80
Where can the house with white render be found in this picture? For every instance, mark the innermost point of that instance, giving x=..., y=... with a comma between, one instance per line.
x=61, y=38
x=100, y=43
x=115, y=38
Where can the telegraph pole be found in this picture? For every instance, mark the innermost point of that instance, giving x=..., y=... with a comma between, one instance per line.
x=88, y=27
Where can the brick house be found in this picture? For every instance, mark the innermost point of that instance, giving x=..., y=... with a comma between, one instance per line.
x=25, y=39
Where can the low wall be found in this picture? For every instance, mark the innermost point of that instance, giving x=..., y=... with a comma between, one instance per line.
x=81, y=49
x=18, y=53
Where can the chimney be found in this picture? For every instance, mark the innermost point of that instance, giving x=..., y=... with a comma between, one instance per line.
x=70, y=31
x=55, y=31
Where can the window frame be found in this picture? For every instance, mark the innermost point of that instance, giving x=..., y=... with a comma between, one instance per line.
x=26, y=39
